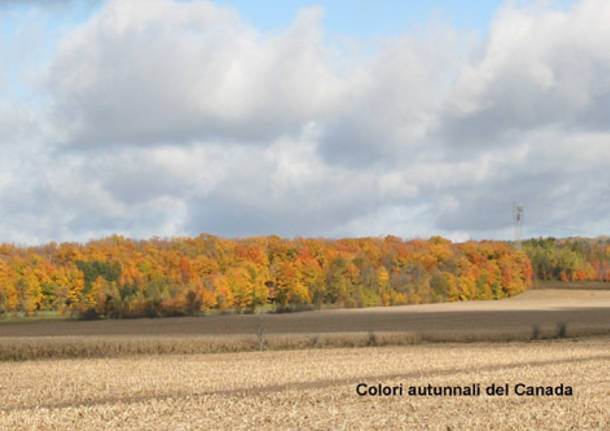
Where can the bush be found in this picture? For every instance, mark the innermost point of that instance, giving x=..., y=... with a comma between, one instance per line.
x=89, y=314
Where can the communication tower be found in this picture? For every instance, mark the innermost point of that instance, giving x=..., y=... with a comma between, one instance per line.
x=518, y=223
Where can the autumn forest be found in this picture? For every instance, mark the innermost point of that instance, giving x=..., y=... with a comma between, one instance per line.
x=118, y=277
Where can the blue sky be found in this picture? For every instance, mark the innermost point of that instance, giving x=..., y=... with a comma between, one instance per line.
x=167, y=117
x=355, y=18
x=370, y=18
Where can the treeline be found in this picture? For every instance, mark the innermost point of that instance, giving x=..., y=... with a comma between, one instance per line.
x=570, y=259
x=118, y=277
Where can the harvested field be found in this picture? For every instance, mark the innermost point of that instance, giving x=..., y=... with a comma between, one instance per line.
x=537, y=314
x=313, y=389
x=547, y=307
x=118, y=378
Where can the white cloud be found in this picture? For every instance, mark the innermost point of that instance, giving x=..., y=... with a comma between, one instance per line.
x=158, y=71
x=169, y=118
x=539, y=67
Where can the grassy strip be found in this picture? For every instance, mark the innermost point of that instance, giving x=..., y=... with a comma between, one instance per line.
x=20, y=349
x=571, y=285
x=20, y=317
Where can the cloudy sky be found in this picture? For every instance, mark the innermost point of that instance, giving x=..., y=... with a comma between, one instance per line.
x=297, y=118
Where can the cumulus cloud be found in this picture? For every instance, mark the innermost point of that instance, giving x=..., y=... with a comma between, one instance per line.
x=52, y=4
x=156, y=71
x=171, y=118
x=539, y=68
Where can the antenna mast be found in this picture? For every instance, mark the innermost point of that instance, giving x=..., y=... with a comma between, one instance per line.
x=518, y=223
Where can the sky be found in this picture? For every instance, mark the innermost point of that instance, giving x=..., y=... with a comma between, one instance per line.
x=295, y=118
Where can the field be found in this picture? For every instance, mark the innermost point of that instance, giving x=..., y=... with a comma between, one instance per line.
x=543, y=313
x=313, y=389
x=151, y=374
x=545, y=307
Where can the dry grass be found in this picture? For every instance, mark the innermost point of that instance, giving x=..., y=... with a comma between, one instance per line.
x=311, y=389
x=66, y=347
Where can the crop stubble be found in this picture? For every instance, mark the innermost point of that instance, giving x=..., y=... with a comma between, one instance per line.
x=311, y=389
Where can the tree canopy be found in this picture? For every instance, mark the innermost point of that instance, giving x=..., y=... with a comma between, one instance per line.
x=120, y=277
